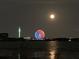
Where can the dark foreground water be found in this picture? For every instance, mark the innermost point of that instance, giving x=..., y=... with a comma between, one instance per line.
x=39, y=50
x=55, y=50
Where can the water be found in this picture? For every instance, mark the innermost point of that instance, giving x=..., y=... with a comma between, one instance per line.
x=53, y=49
x=39, y=50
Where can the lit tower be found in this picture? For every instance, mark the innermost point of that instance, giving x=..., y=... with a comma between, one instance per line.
x=19, y=32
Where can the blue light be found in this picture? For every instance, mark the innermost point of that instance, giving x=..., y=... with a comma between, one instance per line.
x=37, y=36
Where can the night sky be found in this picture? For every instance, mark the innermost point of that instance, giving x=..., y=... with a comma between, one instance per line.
x=34, y=14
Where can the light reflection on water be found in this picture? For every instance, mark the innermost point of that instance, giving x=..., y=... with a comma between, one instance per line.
x=52, y=49
x=46, y=51
x=52, y=56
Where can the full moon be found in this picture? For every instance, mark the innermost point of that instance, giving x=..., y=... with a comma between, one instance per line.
x=52, y=16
